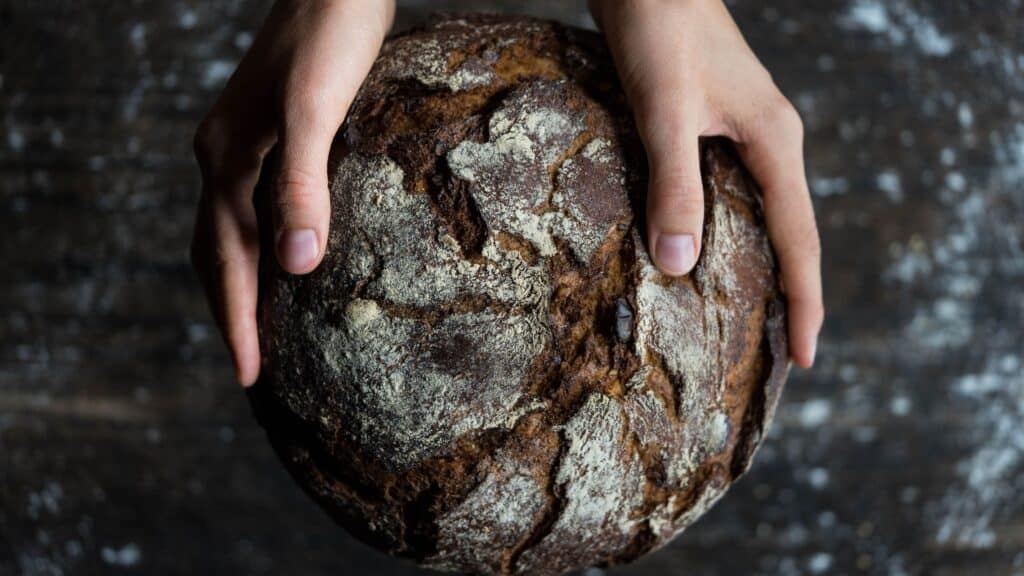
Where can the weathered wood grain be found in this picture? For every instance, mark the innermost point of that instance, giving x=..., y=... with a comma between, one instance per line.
x=124, y=446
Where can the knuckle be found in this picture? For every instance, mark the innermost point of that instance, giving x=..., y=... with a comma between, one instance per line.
x=681, y=207
x=783, y=119
x=679, y=194
x=204, y=140
x=811, y=310
x=804, y=246
x=811, y=242
x=243, y=160
x=816, y=313
x=227, y=150
x=224, y=257
x=297, y=191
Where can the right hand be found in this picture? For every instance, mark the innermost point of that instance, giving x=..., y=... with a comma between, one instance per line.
x=293, y=89
x=689, y=73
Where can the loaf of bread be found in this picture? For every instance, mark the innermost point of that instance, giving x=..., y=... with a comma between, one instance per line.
x=486, y=373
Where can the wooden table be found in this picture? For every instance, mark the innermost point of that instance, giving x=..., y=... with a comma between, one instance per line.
x=125, y=448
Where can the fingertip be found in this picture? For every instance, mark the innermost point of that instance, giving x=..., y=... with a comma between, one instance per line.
x=247, y=364
x=803, y=349
x=246, y=377
x=298, y=251
x=674, y=254
x=804, y=358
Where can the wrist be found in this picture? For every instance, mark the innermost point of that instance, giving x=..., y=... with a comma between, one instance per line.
x=609, y=12
x=378, y=14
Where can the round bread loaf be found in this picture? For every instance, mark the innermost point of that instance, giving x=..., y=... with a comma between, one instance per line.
x=486, y=373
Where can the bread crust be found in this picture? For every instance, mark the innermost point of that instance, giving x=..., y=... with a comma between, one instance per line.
x=486, y=373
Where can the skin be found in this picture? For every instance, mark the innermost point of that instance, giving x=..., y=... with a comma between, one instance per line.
x=294, y=87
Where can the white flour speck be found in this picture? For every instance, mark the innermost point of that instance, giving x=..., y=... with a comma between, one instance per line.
x=815, y=412
x=965, y=115
x=825, y=187
x=955, y=181
x=138, y=36
x=947, y=156
x=216, y=72
x=187, y=19
x=900, y=405
x=15, y=139
x=127, y=556
x=888, y=181
x=818, y=478
x=870, y=16
x=243, y=40
x=820, y=563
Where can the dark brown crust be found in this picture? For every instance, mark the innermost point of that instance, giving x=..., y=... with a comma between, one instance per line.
x=591, y=313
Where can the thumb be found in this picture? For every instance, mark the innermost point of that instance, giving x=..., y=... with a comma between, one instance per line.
x=302, y=202
x=339, y=43
x=648, y=49
x=675, y=196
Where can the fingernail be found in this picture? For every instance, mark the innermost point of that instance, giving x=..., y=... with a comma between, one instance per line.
x=814, y=350
x=298, y=250
x=675, y=253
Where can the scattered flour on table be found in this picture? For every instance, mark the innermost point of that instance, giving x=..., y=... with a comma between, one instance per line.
x=124, y=556
x=983, y=245
x=899, y=22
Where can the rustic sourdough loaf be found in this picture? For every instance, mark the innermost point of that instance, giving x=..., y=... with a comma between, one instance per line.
x=486, y=373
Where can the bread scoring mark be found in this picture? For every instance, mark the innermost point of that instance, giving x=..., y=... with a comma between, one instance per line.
x=684, y=343
x=496, y=515
x=694, y=347
x=602, y=485
x=593, y=466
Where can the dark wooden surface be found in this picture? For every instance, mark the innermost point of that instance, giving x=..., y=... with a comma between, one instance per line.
x=125, y=447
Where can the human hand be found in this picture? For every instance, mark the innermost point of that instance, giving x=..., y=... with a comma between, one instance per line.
x=293, y=88
x=688, y=72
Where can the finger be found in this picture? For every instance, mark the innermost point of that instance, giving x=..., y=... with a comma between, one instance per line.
x=225, y=246
x=647, y=51
x=675, y=197
x=327, y=71
x=233, y=273
x=773, y=151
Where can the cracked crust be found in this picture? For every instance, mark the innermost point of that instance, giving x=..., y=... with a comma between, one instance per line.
x=486, y=373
